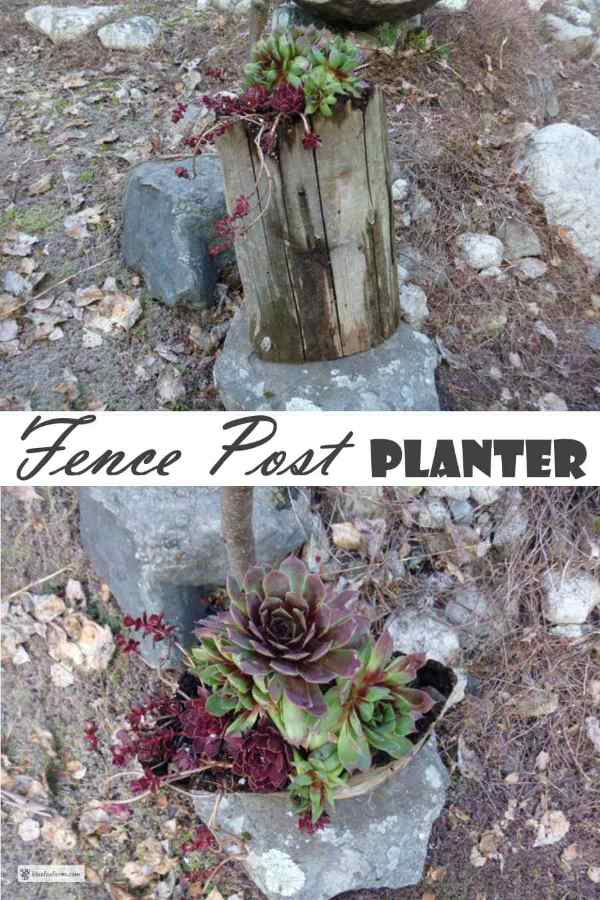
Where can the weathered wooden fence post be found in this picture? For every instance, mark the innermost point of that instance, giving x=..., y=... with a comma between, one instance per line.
x=318, y=268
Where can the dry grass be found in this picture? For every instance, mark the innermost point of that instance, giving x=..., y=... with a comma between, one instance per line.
x=452, y=124
x=509, y=786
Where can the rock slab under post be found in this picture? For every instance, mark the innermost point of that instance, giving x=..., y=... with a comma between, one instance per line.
x=161, y=549
x=375, y=841
x=168, y=226
x=397, y=375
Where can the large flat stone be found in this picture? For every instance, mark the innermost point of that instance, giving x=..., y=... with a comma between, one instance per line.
x=137, y=33
x=374, y=841
x=168, y=226
x=397, y=375
x=162, y=550
x=68, y=23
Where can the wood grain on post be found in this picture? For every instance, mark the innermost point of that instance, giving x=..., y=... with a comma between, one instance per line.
x=318, y=268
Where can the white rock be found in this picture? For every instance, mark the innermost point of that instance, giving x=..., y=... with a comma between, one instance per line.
x=9, y=329
x=570, y=598
x=484, y=496
x=481, y=251
x=29, y=830
x=21, y=657
x=400, y=189
x=137, y=33
x=568, y=631
x=551, y=402
x=416, y=632
x=454, y=5
x=68, y=23
x=61, y=675
x=413, y=303
x=561, y=164
x=346, y=536
x=571, y=39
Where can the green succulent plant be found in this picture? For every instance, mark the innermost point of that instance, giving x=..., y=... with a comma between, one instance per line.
x=232, y=690
x=317, y=778
x=376, y=709
x=323, y=65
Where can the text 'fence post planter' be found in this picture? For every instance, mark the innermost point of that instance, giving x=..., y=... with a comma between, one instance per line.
x=318, y=266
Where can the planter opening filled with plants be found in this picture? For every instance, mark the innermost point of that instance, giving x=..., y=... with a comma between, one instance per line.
x=287, y=694
x=307, y=176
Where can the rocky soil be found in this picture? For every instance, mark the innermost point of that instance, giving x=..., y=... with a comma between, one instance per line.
x=78, y=330
x=503, y=585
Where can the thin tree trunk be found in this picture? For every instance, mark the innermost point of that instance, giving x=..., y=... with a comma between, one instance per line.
x=238, y=529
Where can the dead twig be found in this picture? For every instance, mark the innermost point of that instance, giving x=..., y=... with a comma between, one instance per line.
x=34, y=583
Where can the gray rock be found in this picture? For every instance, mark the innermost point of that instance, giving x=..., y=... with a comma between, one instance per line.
x=286, y=15
x=530, y=268
x=366, y=12
x=375, y=841
x=360, y=502
x=513, y=524
x=462, y=511
x=572, y=40
x=577, y=16
x=592, y=337
x=474, y=613
x=435, y=514
x=495, y=272
x=168, y=226
x=161, y=549
x=561, y=165
x=397, y=375
x=15, y=284
x=68, y=23
x=413, y=303
x=421, y=632
x=570, y=598
x=481, y=251
x=421, y=207
x=519, y=239
x=137, y=33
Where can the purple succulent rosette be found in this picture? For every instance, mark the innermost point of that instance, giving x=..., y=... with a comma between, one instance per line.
x=285, y=626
